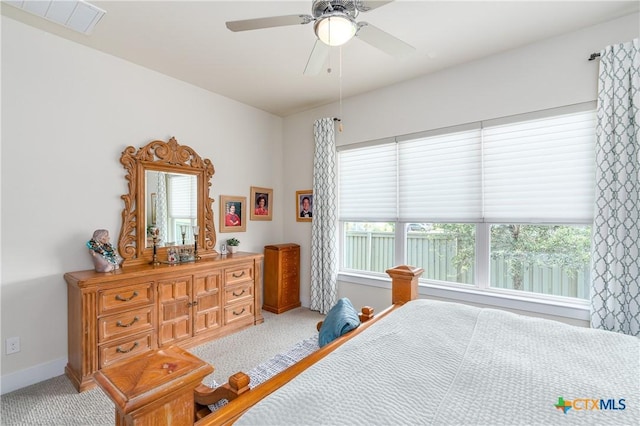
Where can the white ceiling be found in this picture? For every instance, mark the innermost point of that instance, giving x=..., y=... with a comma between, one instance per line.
x=264, y=68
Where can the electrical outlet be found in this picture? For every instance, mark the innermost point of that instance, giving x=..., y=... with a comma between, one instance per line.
x=12, y=345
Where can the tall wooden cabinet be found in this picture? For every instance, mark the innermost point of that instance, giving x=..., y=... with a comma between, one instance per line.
x=119, y=314
x=281, y=277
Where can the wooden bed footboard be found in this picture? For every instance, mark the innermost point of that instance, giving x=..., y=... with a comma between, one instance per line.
x=158, y=398
x=227, y=414
x=365, y=314
x=404, y=283
x=205, y=396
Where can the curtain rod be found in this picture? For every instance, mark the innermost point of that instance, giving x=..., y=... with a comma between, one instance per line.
x=594, y=56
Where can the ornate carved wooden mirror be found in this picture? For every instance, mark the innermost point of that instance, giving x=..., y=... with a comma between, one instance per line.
x=168, y=190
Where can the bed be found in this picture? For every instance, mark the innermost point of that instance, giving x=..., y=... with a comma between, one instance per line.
x=431, y=362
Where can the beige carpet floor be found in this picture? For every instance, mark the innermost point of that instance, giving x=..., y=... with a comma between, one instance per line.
x=56, y=402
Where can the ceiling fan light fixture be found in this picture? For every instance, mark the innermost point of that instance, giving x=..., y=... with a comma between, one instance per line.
x=335, y=29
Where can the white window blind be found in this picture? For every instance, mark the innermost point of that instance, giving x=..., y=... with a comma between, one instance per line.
x=182, y=197
x=540, y=170
x=536, y=169
x=440, y=178
x=368, y=183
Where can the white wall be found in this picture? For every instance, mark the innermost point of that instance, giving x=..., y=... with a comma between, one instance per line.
x=548, y=74
x=68, y=112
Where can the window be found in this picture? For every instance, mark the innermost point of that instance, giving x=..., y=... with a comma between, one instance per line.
x=369, y=246
x=502, y=206
x=547, y=259
x=446, y=251
x=182, y=205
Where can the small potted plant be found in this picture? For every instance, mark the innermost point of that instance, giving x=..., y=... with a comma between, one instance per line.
x=232, y=244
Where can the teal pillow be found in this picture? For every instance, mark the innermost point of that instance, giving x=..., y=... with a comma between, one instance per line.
x=341, y=319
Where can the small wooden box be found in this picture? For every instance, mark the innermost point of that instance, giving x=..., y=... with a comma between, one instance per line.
x=281, y=277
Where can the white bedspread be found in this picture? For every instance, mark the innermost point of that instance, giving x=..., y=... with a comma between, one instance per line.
x=442, y=363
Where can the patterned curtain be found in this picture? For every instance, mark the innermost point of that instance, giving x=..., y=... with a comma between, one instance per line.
x=324, y=250
x=161, y=210
x=615, y=293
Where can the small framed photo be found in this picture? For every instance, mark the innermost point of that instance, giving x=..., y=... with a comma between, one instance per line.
x=233, y=213
x=304, y=205
x=262, y=203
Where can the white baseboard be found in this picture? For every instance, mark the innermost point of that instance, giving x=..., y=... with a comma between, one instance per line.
x=35, y=374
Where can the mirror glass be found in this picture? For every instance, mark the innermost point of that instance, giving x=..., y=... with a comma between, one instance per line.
x=171, y=207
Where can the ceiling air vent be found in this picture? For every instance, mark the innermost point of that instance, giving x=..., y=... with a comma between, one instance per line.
x=77, y=15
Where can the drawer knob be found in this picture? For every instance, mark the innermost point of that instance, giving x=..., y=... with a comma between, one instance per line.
x=236, y=275
x=238, y=294
x=133, y=321
x=124, y=351
x=126, y=299
x=239, y=313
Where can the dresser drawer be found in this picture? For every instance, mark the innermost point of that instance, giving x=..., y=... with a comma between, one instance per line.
x=125, y=324
x=238, y=292
x=125, y=348
x=239, y=312
x=238, y=275
x=290, y=273
x=290, y=260
x=119, y=298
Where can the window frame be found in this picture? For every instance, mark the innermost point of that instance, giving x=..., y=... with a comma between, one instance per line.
x=481, y=291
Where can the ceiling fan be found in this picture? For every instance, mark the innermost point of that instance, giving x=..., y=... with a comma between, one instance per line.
x=334, y=25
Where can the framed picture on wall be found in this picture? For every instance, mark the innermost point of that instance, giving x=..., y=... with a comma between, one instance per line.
x=262, y=203
x=233, y=213
x=304, y=205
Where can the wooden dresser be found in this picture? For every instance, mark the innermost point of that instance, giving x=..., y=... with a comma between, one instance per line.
x=116, y=315
x=281, y=277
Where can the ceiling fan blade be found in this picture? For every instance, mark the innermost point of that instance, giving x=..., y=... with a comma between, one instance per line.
x=317, y=58
x=382, y=40
x=365, y=6
x=273, y=21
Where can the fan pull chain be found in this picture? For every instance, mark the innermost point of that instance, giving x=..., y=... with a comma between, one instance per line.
x=340, y=90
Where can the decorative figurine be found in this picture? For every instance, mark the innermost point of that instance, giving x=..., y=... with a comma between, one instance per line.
x=172, y=255
x=104, y=255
